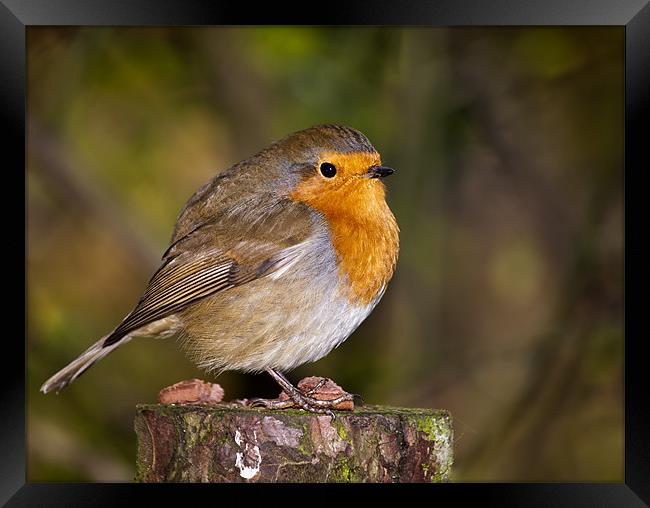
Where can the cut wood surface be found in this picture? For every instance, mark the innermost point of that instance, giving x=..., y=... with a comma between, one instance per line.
x=230, y=443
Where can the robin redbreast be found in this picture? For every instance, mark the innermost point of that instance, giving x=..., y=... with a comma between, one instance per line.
x=272, y=263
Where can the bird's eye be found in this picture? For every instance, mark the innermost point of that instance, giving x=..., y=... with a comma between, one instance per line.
x=327, y=169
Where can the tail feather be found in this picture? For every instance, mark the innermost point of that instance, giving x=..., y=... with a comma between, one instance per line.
x=77, y=367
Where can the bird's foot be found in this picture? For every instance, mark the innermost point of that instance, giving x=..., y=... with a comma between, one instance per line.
x=305, y=402
x=316, y=395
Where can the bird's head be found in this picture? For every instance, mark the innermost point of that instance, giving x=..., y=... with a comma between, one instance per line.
x=336, y=170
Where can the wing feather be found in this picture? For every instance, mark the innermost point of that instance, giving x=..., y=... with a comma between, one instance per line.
x=175, y=286
x=210, y=259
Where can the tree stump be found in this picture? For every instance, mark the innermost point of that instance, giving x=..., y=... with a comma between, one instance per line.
x=227, y=443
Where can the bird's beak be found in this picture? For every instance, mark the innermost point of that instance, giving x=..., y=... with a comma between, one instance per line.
x=379, y=171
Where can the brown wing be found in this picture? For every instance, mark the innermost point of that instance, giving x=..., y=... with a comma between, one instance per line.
x=241, y=245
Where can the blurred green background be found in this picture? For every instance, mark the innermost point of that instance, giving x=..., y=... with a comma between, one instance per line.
x=506, y=308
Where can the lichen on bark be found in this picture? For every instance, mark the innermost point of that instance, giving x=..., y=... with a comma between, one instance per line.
x=222, y=443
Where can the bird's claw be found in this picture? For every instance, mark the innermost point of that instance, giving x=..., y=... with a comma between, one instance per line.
x=301, y=401
x=317, y=387
x=269, y=403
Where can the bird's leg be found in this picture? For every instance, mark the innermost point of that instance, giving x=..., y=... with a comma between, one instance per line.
x=317, y=387
x=300, y=399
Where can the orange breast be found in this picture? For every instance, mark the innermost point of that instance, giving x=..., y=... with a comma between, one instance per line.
x=363, y=230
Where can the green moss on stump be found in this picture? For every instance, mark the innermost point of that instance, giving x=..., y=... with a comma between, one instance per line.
x=200, y=443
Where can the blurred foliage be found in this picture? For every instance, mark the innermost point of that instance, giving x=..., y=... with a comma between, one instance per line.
x=506, y=308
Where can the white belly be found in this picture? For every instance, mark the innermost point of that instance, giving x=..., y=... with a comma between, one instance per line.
x=330, y=324
x=297, y=315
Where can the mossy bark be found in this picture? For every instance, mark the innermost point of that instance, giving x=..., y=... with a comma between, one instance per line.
x=201, y=443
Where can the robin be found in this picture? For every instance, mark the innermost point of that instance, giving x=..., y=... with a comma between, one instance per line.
x=272, y=263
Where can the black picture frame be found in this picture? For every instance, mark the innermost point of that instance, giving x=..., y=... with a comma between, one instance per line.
x=634, y=15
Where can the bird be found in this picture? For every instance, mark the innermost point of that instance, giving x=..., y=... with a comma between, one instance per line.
x=272, y=264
